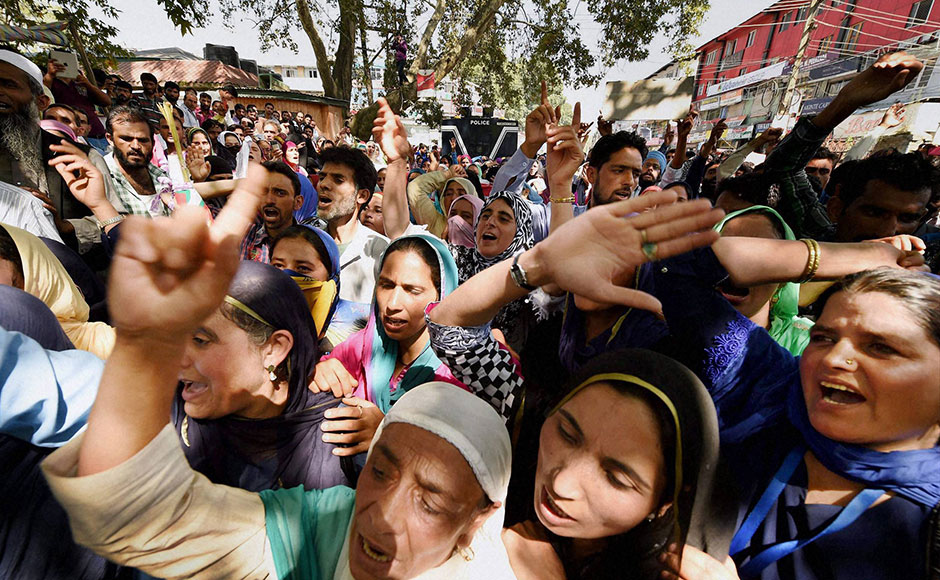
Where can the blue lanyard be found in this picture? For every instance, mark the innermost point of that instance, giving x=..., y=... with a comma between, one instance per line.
x=742, y=538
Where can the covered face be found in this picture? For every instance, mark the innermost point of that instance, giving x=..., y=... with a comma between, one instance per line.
x=438, y=470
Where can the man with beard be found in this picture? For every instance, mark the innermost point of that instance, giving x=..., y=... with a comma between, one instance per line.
x=136, y=179
x=149, y=101
x=24, y=147
x=123, y=93
x=346, y=184
x=281, y=200
x=171, y=92
x=653, y=167
x=614, y=167
x=190, y=108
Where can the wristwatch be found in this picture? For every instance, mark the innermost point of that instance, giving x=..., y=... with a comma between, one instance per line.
x=114, y=220
x=518, y=275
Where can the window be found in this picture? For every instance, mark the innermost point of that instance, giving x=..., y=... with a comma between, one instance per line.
x=290, y=72
x=311, y=73
x=851, y=36
x=711, y=57
x=785, y=21
x=732, y=47
x=742, y=72
x=824, y=45
x=750, y=38
x=801, y=14
x=919, y=12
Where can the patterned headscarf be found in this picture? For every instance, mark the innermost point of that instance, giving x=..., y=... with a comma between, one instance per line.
x=471, y=262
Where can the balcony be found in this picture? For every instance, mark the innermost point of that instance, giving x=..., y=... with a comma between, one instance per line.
x=731, y=61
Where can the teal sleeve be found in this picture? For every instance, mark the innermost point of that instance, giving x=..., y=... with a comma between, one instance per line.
x=307, y=530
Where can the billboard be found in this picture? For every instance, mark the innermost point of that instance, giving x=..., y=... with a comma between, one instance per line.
x=658, y=99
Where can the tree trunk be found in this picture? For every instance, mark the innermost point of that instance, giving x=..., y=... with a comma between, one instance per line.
x=319, y=49
x=421, y=54
x=346, y=49
x=366, y=68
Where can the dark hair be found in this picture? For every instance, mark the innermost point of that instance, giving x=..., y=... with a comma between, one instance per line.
x=170, y=85
x=297, y=231
x=191, y=90
x=251, y=107
x=201, y=95
x=825, y=153
x=918, y=291
x=126, y=114
x=424, y=250
x=68, y=108
x=285, y=170
x=905, y=171
x=147, y=77
x=754, y=188
x=121, y=83
x=364, y=173
x=9, y=253
x=230, y=90
x=208, y=124
x=239, y=106
x=269, y=103
x=607, y=145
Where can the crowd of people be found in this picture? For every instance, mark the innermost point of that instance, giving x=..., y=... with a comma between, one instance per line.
x=235, y=346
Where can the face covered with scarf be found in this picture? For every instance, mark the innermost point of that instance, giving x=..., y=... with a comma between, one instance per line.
x=462, y=220
x=629, y=450
x=310, y=256
x=437, y=472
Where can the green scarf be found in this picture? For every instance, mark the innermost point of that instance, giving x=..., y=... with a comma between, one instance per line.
x=786, y=326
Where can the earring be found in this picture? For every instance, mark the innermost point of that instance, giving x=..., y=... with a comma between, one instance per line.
x=650, y=518
x=271, y=374
x=466, y=553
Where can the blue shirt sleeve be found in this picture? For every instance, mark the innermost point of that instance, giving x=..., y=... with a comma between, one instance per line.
x=747, y=373
x=45, y=396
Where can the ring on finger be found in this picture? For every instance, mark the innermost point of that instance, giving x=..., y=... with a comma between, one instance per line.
x=649, y=250
x=360, y=410
x=643, y=239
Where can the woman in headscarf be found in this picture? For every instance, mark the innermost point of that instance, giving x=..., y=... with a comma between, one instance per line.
x=435, y=478
x=392, y=353
x=243, y=410
x=624, y=468
x=42, y=275
x=431, y=193
x=292, y=158
x=462, y=220
x=201, y=139
x=311, y=257
x=771, y=306
x=227, y=147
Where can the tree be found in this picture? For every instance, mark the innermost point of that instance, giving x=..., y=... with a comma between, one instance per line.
x=96, y=34
x=543, y=38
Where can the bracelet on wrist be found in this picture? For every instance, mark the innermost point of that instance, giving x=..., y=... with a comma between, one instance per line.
x=569, y=199
x=812, y=261
x=110, y=221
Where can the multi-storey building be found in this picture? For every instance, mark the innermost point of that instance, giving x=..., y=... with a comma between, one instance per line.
x=742, y=74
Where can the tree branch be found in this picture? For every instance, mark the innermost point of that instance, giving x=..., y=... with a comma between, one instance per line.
x=421, y=55
x=319, y=50
x=455, y=53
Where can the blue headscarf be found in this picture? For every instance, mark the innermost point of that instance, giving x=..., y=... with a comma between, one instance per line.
x=911, y=474
x=309, y=207
x=384, y=350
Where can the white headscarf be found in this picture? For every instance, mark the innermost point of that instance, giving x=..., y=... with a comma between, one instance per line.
x=479, y=434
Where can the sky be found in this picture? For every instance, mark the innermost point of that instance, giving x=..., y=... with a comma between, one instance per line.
x=143, y=25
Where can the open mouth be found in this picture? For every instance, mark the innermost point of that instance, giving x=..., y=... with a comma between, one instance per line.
x=5, y=107
x=732, y=293
x=392, y=323
x=271, y=212
x=488, y=237
x=622, y=194
x=374, y=552
x=192, y=390
x=840, y=394
x=552, y=509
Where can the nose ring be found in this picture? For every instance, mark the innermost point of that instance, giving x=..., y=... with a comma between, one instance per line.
x=850, y=361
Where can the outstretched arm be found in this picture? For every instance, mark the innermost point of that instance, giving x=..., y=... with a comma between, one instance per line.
x=392, y=137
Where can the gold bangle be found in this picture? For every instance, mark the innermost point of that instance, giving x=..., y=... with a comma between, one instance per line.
x=812, y=261
x=569, y=199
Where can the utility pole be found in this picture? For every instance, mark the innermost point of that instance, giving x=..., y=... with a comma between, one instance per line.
x=808, y=28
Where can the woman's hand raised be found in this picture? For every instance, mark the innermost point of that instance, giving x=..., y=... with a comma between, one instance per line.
x=588, y=253
x=169, y=274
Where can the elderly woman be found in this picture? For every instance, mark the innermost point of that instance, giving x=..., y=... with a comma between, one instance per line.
x=437, y=473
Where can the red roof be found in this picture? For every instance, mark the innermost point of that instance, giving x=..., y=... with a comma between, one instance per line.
x=187, y=72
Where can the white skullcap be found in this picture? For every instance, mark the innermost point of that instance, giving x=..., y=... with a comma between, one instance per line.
x=466, y=422
x=22, y=63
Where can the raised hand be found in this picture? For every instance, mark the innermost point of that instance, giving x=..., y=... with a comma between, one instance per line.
x=684, y=125
x=585, y=255
x=717, y=131
x=169, y=274
x=80, y=175
x=894, y=116
x=564, y=149
x=604, y=127
x=770, y=135
x=536, y=123
x=889, y=74
x=389, y=132
x=670, y=133
x=199, y=168
x=352, y=426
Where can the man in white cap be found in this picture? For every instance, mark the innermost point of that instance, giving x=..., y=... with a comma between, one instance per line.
x=24, y=147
